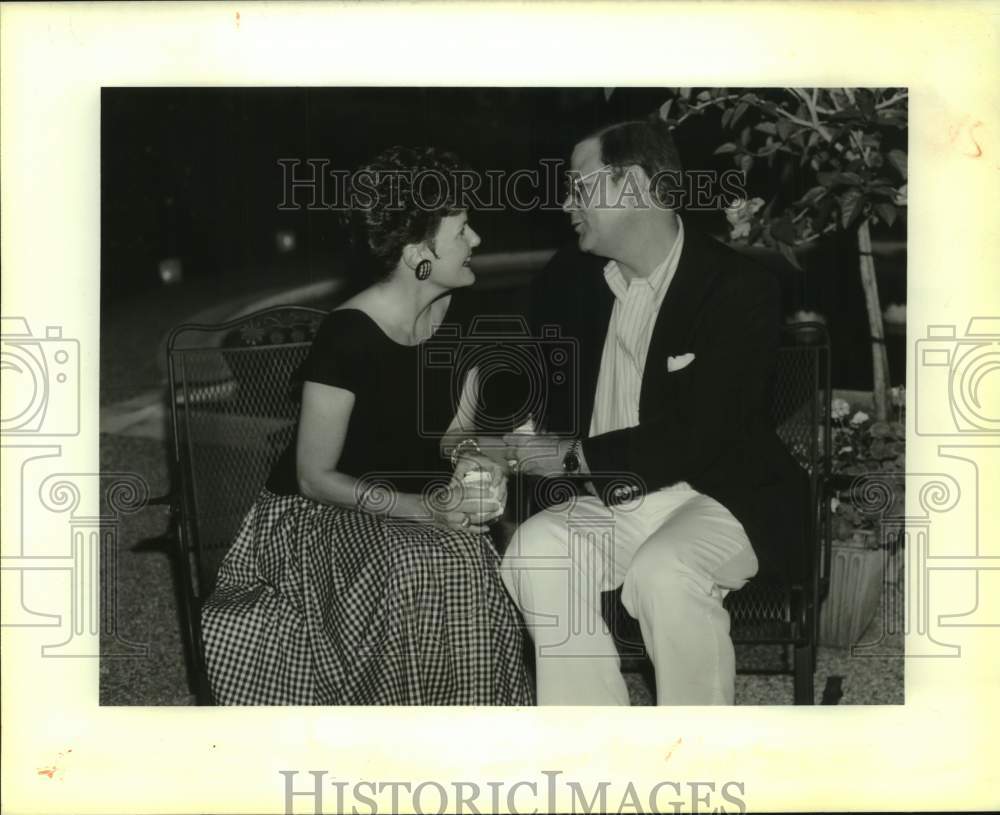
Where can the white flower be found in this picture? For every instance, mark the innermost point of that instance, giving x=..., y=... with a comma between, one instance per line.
x=839, y=408
x=740, y=230
x=898, y=396
x=834, y=503
x=738, y=212
x=741, y=210
x=900, y=198
x=860, y=418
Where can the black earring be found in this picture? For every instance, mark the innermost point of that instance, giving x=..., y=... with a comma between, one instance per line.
x=423, y=270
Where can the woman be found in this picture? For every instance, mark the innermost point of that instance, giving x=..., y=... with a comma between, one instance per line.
x=352, y=581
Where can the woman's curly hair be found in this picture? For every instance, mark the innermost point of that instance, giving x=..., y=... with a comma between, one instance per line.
x=399, y=198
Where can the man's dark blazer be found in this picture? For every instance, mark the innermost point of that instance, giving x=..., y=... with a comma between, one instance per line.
x=708, y=423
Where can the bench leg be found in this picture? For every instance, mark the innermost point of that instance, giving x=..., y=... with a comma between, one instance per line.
x=805, y=666
x=203, y=692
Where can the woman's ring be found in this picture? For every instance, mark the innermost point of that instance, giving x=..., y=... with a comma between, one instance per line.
x=466, y=521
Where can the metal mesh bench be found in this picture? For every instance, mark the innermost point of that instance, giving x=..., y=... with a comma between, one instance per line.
x=233, y=411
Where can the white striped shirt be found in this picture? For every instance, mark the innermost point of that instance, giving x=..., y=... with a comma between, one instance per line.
x=637, y=302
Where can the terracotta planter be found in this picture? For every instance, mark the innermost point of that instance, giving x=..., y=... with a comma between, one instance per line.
x=857, y=572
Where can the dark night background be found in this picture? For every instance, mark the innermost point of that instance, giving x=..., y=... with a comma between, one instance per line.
x=193, y=173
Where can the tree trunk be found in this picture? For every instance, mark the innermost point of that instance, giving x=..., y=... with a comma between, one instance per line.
x=880, y=359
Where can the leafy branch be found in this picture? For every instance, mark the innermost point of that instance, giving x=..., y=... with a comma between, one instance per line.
x=838, y=147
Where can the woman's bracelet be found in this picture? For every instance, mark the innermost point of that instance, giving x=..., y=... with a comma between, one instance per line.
x=463, y=446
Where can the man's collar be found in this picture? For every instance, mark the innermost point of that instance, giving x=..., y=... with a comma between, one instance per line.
x=659, y=279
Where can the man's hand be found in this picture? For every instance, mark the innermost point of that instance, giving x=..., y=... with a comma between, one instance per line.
x=538, y=454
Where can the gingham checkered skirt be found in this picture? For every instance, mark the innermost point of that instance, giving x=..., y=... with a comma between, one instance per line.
x=322, y=605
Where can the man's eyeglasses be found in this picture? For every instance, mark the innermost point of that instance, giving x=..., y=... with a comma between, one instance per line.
x=575, y=189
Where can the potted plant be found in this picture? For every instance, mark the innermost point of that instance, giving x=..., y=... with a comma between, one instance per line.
x=868, y=464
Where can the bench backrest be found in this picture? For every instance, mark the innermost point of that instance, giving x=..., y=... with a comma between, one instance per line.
x=233, y=411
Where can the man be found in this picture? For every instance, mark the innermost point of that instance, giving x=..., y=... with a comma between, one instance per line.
x=676, y=336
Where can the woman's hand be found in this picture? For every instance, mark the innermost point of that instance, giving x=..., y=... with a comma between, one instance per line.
x=471, y=463
x=465, y=507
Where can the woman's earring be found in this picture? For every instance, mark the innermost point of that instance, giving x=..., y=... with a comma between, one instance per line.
x=423, y=270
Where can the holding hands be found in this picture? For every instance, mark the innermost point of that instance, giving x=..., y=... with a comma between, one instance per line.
x=477, y=493
x=475, y=496
x=477, y=470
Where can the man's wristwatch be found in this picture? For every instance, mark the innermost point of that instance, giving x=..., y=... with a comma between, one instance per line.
x=571, y=461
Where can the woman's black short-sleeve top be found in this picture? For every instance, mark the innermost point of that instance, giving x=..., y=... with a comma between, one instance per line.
x=404, y=400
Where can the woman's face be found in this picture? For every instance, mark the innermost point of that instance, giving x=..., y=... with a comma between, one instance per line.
x=453, y=245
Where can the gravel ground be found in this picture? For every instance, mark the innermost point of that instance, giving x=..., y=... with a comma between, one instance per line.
x=132, y=333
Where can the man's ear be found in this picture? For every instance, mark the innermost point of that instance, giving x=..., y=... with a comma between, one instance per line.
x=635, y=187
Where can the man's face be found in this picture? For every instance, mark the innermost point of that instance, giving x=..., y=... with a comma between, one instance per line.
x=594, y=202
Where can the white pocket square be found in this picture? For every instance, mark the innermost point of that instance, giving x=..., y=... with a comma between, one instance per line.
x=679, y=362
